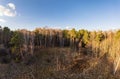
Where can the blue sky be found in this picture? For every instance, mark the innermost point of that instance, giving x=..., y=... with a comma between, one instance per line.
x=79, y=14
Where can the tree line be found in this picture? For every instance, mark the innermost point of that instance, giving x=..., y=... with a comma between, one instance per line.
x=21, y=41
x=42, y=37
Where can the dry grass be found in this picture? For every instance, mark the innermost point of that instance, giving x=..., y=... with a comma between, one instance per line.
x=64, y=64
x=61, y=63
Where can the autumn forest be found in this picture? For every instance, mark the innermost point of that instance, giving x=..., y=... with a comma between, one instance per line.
x=46, y=53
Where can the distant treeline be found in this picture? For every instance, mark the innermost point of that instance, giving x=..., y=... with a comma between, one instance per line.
x=26, y=41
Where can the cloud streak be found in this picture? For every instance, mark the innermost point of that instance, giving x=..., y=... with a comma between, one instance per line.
x=2, y=21
x=8, y=10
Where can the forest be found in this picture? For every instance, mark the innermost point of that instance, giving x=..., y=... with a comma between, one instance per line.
x=46, y=53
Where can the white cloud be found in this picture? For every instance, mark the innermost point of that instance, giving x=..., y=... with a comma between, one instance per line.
x=11, y=5
x=5, y=11
x=2, y=21
x=68, y=27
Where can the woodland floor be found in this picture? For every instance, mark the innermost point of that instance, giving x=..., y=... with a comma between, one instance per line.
x=60, y=63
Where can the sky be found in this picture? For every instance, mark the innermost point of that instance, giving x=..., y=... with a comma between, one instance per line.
x=60, y=14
